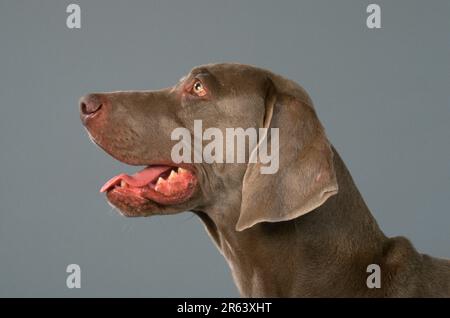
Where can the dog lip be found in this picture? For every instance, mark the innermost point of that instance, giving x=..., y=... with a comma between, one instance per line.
x=152, y=184
x=139, y=179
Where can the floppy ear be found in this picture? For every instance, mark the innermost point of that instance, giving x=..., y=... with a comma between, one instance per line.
x=305, y=178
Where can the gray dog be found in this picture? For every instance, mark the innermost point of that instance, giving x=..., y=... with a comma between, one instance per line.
x=304, y=231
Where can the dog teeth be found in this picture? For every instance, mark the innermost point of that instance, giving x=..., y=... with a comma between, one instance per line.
x=159, y=183
x=172, y=175
x=123, y=184
x=181, y=170
x=160, y=180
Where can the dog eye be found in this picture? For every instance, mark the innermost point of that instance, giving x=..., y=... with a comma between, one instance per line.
x=198, y=89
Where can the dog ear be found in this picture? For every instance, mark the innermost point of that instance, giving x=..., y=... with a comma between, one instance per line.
x=305, y=178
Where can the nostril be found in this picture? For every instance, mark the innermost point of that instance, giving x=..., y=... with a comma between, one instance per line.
x=95, y=109
x=90, y=105
x=83, y=108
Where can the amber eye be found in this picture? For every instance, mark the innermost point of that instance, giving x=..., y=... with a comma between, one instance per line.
x=198, y=89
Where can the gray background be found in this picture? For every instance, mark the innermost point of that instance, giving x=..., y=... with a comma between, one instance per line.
x=383, y=96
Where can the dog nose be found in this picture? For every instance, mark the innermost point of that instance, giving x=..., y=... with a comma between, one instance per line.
x=90, y=105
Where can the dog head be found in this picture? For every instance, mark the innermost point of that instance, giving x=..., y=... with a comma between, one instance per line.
x=150, y=128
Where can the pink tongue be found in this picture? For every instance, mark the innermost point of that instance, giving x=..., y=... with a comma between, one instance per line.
x=138, y=179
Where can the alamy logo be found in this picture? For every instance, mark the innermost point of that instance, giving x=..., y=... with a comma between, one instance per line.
x=73, y=280
x=374, y=19
x=374, y=279
x=233, y=143
x=73, y=20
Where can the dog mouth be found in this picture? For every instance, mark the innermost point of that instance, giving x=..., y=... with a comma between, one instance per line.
x=165, y=185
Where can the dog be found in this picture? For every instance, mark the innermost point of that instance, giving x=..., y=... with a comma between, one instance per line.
x=304, y=231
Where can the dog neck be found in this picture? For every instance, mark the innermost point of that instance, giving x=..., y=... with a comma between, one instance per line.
x=307, y=255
